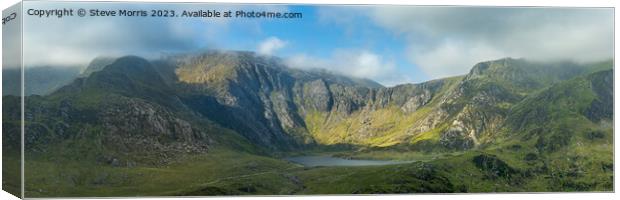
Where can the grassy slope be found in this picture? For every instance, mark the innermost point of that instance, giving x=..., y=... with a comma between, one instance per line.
x=577, y=167
x=584, y=163
x=223, y=169
x=388, y=125
x=11, y=174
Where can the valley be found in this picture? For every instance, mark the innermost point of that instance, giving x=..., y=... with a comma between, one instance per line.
x=237, y=123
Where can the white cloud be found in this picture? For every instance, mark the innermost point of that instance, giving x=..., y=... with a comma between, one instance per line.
x=270, y=45
x=363, y=64
x=353, y=62
x=303, y=61
x=77, y=40
x=445, y=41
x=452, y=58
x=11, y=42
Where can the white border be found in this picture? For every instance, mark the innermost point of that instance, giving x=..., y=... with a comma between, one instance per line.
x=565, y=3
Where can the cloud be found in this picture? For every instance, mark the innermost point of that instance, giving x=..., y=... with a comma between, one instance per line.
x=98, y=37
x=11, y=42
x=77, y=40
x=363, y=64
x=450, y=40
x=440, y=41
x=352, y=62
x=270, y=45
x=452, y=58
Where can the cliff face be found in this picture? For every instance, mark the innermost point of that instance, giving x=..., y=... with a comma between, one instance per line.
x=181, y=102
x=280, y=107
x=277, y=106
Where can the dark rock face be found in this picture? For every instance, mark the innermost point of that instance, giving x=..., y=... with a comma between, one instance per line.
x=136, y=124
x=124, y=108
x=158, y=103
x=145, y=114
x=253, y=95
x=317, y=96
x=272, y=100
x=408, y=97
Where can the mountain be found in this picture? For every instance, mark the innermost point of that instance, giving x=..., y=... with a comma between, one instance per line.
x=257, y=96
x=506, y=120
x=282, y=108
x=125, y=108
x=97, y=64
x=38, y=80
x=556, y=116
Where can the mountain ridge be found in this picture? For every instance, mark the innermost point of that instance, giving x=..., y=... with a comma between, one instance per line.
x=217, y=125
x=282, y=108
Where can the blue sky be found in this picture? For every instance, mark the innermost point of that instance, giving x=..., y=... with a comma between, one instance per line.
x=389, y=44
x=319, y=38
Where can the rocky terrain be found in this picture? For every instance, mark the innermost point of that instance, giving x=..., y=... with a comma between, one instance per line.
x=282, y=108
x=129, y=112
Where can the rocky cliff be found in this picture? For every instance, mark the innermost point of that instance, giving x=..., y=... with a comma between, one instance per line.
x=165, y=105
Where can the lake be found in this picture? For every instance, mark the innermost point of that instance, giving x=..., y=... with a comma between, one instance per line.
x=314, y=161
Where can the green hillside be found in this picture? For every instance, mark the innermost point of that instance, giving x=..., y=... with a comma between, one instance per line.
x=222, y=123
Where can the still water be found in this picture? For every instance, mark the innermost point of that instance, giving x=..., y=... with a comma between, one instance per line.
x=313, y=161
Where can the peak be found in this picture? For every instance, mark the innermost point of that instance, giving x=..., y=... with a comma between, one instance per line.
x=230, y=59
x=127, y=74
x=486, y=66
x=226, y=57
x=502, y=61
x=131, y=66
x=96, y=65
x=510, y=59
x=203, y=53
x=102, y=62
x=101, y=59
x=132, y=60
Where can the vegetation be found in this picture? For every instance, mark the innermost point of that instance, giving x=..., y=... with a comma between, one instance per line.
x=127, y=130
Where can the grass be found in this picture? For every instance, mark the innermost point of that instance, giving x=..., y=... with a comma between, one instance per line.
x=11, y=172
x=221, y=167
x=556, y=149
x=389, y=126
x=229, y=172
x=224, y=171
x=432, y=135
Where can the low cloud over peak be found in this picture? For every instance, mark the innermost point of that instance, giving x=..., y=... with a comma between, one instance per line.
x=389, y=44
x=270, y=45
x=352, y=62
x=449, y=40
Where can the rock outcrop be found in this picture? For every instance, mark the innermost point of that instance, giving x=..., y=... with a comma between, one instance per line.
x=163, y=104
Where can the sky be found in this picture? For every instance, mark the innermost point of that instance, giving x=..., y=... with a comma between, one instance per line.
x=11, y=29
x=389, y=44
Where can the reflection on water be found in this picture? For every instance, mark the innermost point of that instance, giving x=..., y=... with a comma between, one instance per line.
x=313, y=161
